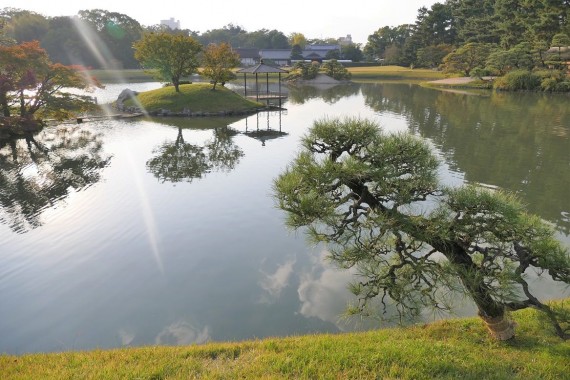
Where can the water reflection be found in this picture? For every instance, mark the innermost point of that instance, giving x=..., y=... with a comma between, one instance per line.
x=518, y=142
x=182, y=333
x=229, y=270
x=268, y=131
x=323, y=291
x=274, y=283
x=38, y=172
x=330, y=93
x=178, y=160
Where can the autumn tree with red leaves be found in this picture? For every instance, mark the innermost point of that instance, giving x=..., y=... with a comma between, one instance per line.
x=32, y=87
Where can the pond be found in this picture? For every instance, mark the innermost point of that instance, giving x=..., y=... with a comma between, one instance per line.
x=138, y=232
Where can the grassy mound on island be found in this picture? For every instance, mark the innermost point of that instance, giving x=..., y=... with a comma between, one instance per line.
x=449, y=349
x=197, y=97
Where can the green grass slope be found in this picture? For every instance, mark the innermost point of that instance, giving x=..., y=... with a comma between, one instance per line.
x=198, y=97
x=451, y=349
x=393, y=73
x=122, y=76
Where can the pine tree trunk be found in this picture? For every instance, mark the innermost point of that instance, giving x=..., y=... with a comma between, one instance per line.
x=501, y=328
x=491, y=312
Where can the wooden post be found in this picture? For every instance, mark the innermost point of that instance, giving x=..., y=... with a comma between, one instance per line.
x=279, y=92
x=256, y=88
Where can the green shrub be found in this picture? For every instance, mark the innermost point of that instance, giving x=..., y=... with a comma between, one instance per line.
x=479, y=72
x=304, y=71
x=548, y=84
x=336, y=70
x=518, y=80
x=553, y=80
x=555, y=74
x=563, y=86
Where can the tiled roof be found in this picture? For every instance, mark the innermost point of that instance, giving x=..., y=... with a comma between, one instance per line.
x=247, y=52
x=275, y=54
x=262, y=68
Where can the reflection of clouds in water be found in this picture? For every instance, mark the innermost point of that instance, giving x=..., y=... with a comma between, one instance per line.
x=323, y=291
x=274, y=283
x=182, y=333
x=126, y=336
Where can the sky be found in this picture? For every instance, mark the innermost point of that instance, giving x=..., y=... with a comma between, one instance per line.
x=329, y=19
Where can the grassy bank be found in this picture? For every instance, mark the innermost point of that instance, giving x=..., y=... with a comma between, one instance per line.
x=198, y=97
x=358, y=74
x=450, y=349
x=393, y=73
x=460, y=83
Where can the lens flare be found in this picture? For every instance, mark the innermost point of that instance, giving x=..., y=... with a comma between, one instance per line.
x=148, y=216
x=103, y=56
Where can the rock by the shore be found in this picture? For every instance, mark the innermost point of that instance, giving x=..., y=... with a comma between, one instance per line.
x=125, y=95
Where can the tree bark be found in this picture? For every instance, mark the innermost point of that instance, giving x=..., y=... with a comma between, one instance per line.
x=501, y=328
x=176, y=84
x=4, y=105
x=22, y=104
x=491, y=312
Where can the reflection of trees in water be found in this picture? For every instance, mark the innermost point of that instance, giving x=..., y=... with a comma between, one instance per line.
x=38, y=172
x=329, y=93
x=519, y=142
x=181, y=161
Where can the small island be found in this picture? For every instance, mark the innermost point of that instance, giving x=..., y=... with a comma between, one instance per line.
x=193, y=100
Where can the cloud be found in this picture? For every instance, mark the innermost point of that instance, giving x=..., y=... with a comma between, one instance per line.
x=126, y=336
x=182, y=333
x=274, y=283
x=323, y=291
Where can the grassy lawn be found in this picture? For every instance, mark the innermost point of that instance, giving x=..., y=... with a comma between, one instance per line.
x=391, y=73
x=475, y=84
x=452, y=349
x=369, y=73
x=122, y=76
x=198, y=97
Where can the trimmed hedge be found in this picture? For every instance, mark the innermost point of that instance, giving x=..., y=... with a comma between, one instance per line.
x=542, y=80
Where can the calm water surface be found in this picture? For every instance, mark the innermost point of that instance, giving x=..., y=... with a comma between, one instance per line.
x=126, y=233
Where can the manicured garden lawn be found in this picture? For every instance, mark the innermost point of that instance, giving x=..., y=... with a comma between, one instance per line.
x=451, y=349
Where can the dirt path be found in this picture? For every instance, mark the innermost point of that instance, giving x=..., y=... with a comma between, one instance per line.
x=461, y=80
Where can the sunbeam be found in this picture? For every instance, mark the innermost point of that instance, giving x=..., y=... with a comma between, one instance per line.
x=99, y=49
x=148, y=217
x=103, y=55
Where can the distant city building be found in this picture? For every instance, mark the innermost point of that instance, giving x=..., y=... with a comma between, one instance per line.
x=343, y=41
x=171, y=23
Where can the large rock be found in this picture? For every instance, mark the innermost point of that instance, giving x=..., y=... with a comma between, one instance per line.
x=125, y=95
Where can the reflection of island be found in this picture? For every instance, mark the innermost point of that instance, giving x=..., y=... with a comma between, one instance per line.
x=267, y=132
x=178, y=161
x=519, y=142
x=330, y=93
x=38, y=172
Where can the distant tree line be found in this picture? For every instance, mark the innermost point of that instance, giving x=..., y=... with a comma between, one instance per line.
x=100, y=39
x=488, y=25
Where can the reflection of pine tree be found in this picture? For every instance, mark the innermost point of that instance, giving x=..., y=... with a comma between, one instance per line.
x=180, y=161
x=37, y=173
